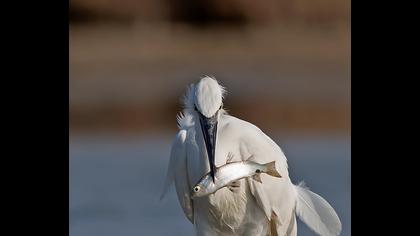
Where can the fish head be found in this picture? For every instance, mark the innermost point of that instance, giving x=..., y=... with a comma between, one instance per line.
x=204, y=187
x=198, y=191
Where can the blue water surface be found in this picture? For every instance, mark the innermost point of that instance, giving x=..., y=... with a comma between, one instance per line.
x=115, y=182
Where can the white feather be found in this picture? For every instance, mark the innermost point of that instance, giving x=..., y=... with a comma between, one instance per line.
x=184, y=120
x=175, y=158
x=188, y=98
x=177, y=171
x=315, y=212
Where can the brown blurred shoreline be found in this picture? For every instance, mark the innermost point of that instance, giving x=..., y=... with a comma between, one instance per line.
x=286, y=117
x=285, y=69
x=137, y=83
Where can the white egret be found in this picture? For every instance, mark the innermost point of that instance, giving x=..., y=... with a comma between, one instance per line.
x=208, y=138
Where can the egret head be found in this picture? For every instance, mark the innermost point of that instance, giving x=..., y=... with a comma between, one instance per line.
x=208, y=96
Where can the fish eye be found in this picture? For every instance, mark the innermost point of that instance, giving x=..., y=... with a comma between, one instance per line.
x=195, y=108
x=258, y=171
x=196, y=188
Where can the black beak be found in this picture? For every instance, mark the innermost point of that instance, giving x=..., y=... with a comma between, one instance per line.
x=209, y=128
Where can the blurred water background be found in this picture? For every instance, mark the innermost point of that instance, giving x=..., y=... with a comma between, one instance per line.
x=286, y=65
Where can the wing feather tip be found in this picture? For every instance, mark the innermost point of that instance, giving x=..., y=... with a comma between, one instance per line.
x=316, y=212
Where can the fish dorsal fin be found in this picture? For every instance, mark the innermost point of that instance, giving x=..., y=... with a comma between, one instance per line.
x=251, y=158
x=229, y=158
x=257, y=177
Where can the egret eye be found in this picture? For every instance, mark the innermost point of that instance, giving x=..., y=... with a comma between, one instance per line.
x=196, y=188
x=220, y=107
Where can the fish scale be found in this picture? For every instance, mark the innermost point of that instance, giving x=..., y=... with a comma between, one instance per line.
x=231, y=172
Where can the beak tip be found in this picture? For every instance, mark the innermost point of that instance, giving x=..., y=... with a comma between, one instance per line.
x=212, y=175
x=213, y=171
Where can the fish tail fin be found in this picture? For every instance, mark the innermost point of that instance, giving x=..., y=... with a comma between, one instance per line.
x=271, y=169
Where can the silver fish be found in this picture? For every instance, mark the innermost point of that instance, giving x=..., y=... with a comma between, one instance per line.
x=231, y=172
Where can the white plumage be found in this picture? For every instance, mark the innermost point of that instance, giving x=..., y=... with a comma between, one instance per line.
x=267, y=208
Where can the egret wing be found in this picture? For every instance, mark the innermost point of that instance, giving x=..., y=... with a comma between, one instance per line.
x=276, y=196
x=177, y=171
x=316, y=212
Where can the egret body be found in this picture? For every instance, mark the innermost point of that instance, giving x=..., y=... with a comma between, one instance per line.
x=208, y=137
